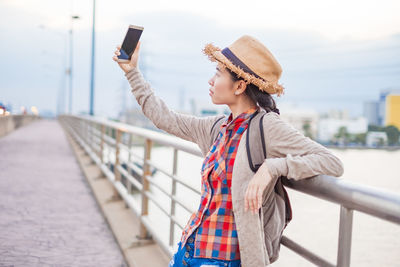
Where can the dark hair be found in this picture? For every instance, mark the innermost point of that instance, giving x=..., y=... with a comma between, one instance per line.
x=262, y=98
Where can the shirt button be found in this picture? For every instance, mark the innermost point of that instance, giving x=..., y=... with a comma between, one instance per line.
x=188, y=247
x=187, y=254
x=184, y=262
x=190, y=240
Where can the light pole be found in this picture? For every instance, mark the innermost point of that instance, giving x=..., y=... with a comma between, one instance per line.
x=70, y=63
x=91, y=112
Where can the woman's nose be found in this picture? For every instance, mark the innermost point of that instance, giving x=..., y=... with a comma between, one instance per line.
x=211, y=81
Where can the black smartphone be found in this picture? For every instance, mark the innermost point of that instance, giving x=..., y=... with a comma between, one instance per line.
x=130, y=42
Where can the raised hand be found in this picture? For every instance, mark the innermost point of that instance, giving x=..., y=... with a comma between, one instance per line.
x=133, y=63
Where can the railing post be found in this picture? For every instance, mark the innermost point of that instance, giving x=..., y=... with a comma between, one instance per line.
x=117, y=174
x=173, y=204
x=78, y=126
x=345, y=232
x=79, y=131
x=91, y=135
x=102, y=144
x=143, y=233
x=85, y=131
x=128, y=169
x=108, y=134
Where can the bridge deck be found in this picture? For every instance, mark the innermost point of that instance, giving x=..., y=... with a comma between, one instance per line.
x=48, y=214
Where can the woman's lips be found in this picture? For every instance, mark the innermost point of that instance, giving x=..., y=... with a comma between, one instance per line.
x=211, y=92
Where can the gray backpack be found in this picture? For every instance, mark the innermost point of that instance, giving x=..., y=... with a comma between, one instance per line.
x=255, y=156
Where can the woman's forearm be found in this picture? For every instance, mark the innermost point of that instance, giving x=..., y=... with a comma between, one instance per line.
x=295, y=155
x=185, y=126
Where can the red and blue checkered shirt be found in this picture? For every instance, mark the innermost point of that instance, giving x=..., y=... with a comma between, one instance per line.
x=217, y=236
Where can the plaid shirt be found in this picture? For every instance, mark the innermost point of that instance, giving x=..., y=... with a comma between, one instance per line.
x=217, y=236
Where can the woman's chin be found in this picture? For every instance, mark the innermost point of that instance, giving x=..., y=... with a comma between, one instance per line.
x=216, y=102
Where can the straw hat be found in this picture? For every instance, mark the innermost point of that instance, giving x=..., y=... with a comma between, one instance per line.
x=251, y=60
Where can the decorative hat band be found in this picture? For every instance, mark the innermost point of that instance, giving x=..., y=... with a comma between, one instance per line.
x=235, y=60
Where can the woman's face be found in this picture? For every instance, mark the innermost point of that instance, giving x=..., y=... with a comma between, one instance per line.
x=222, y=90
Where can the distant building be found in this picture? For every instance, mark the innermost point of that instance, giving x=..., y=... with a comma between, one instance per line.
x=376, y=138
x=389, y=106
x=382, y=104
x=340, y=114
x=328, y=127
x=371, y=112
x=392, y=110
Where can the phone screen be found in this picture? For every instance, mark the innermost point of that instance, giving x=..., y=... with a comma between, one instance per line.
x=130, y=42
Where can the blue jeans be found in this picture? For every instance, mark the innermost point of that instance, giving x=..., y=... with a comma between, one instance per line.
x=183, y=257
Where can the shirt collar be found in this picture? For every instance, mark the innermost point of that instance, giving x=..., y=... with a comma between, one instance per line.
x=240, y=118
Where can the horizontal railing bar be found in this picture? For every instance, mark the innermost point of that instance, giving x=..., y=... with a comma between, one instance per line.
x=305, y=253
x=376, y=202
x=109, y=140
x=161, y=138
x=130, y=178
x=153, y=199
x=182, y=204
x=134, y=167
x=173, y=177
x=127, y=149
x=154, y=183
x=151, y=180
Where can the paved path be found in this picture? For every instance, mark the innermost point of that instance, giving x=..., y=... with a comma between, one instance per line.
x=48, y=215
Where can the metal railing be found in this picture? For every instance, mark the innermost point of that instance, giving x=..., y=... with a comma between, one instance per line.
x=9, y=123
x=104, y=140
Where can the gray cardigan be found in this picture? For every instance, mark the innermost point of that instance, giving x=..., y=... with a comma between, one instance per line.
x=289, y=153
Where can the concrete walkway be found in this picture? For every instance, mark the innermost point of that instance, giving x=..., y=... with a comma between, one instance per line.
x=48, y=215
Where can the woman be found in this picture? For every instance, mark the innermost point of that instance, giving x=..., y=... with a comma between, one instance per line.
x=227, y=230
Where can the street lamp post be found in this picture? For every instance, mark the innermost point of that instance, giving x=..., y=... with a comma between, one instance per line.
x=91, y=112
x=70, y=62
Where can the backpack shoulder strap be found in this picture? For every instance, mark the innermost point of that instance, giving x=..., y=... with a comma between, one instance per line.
x=255, y=133
x=216, y=128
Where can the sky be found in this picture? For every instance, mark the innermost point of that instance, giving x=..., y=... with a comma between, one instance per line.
x=334, y=54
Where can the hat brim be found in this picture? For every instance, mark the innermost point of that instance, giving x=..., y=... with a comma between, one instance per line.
x=214, y=54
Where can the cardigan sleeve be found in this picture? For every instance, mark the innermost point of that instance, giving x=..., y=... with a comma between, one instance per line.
x=294, y=155
x=189, y=127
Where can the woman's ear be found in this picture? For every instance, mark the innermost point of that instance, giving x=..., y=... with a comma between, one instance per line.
x=240, y=87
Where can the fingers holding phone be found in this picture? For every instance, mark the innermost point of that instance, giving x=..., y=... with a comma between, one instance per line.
x=126, y=66
x=127, y=54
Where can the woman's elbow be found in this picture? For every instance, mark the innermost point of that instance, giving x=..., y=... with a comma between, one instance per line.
x=337, y=166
